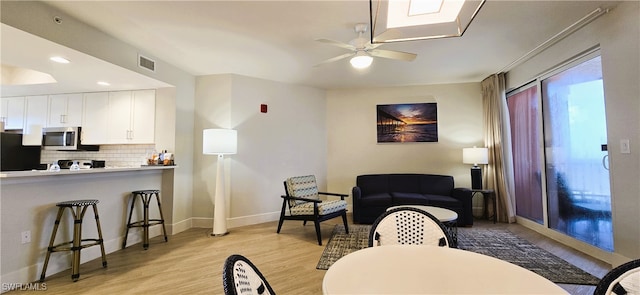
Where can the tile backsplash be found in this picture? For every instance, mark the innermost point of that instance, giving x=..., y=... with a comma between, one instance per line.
x=125, y=155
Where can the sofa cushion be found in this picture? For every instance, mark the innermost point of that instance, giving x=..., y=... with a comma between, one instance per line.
x=405, y=183
x=435, y=184
x=441, y=200
x=373, y=184
x=381, y=199
x=408, y=198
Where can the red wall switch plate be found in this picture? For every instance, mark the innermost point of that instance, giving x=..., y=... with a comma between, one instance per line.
x=263, y=108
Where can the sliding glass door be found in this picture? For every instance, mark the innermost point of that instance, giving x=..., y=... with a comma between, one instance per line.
x=575, y=137
x=568, y=170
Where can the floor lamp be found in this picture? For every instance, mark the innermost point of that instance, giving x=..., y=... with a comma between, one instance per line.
x=219, y=142
x=475, y=156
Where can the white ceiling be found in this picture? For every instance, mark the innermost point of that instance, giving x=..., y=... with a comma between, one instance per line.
x=275, y=39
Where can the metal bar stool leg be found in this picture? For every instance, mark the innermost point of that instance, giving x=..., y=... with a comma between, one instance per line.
x=164, y=229
x=126, y=233
x=78, y=215
x=100, y=239
x=51, y=241
x=145, y=225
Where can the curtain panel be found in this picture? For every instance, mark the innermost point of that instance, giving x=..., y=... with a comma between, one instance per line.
x=497, y=137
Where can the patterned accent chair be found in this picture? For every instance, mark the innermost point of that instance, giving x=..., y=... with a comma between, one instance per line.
x=409, y=226
x=303, y=200
x=240, y=276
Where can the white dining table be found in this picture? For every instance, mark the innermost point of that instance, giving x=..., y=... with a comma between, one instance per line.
x=420, y=269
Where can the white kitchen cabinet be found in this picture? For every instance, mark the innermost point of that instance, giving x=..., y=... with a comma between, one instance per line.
x=95, y=118
x=12, y=112
x=36, y=109
x=132, y=117
x=65, y=110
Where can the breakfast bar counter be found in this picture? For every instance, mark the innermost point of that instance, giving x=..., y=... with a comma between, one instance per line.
x=28, y=208
x=40, y=173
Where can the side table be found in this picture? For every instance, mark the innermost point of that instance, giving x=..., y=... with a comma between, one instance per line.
x=487, y=194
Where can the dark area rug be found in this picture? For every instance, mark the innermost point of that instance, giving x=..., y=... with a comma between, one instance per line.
x=505, y=245
x=501, y=244
x=341, y=244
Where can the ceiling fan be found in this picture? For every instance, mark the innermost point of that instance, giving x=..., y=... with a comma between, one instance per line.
x=362, y=51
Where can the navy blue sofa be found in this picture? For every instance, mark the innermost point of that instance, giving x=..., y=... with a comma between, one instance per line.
x=374, y=193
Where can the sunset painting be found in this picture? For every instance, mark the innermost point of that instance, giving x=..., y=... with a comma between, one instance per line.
x=416, y=122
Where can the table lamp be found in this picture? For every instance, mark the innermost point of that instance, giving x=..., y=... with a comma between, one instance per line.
x=475, y=156
x=219, y=142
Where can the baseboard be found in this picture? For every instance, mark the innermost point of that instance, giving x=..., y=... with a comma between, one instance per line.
x=180, y=226
x=207, y=222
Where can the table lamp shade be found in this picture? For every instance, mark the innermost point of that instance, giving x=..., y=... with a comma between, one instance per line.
x=475, y=156
x=219, y=141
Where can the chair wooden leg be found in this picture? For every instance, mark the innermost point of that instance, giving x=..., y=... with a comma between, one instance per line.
x=281, y=217
x=317, y=224
x=344, y=220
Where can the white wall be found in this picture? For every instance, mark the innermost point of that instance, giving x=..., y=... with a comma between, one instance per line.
x=289, y=140
x=617, y=33
x=352, y=142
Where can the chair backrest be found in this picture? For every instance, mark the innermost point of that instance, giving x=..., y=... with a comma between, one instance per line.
x=301, y=187
x=408, y=226
x=624, y=279
x=240, y=276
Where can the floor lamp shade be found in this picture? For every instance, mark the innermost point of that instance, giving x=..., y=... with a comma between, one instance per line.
x=475, y=156
x=219, y=142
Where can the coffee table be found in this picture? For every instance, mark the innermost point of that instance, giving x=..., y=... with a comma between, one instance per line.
x=448, y=217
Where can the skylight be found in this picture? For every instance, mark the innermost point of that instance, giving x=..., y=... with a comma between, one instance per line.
x=407, y=20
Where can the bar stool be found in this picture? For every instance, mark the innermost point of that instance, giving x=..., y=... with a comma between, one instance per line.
x=78, y=208
x=145, y=223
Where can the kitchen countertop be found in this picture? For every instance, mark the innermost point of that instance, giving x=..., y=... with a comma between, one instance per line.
x=35, y=173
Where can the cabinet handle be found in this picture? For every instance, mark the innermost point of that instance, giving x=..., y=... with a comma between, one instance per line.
x=63, y=119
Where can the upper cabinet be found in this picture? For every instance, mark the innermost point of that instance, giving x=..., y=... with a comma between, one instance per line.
x=95, y=118
x=65, y=110
x=121, y=117
x=12, y=112
x=132, y=117
x=36, y=108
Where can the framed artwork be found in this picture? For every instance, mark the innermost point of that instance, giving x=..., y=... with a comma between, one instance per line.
x=415, y=122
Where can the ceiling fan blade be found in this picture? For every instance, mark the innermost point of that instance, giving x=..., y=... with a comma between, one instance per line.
x=393, y=54
x=339, y=57
x=337, y=43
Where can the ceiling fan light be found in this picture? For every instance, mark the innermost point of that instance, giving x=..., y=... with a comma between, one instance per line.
x=361, y=61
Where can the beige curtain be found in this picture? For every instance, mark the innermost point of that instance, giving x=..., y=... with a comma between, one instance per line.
x=497, y=138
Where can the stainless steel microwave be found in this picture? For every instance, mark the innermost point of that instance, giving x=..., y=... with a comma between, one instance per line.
x=65, y=139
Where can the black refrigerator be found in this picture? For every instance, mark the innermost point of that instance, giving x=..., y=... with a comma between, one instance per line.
x=15, y=156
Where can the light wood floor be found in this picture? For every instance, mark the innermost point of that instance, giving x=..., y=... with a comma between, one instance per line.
x=191, y=262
